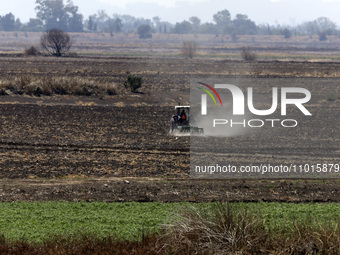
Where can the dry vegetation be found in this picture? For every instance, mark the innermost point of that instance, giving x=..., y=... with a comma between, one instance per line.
x=224, y=230
x=247, y=54
x=31, y=51
x=47, y=86
x=189, y=49
x=127, y=134
x=85, y=245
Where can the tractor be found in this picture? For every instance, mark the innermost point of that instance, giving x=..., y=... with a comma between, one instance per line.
x=180, y=123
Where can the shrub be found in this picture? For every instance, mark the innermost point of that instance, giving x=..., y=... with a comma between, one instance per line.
x=189, y=49
x=144, y=31
x=322, y=36
x=287, y=33
x=133, y=83
x=37, y=91
x=3, y=92
x=247, y=54
x=218, y=230
x=234, y=37
x=110, y=90
x=332, y=96
x=32, y=51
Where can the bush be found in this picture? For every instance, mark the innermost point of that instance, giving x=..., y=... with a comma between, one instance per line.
x=110, y=90
x=247, y=54
x=332, y=96
x=322, y=36
x=32, y=51
x=144, y=31
x=219, y=230
x=189, y=49
x=287, y=33
x=133, y=83
x=37, y=91
x=234, y=37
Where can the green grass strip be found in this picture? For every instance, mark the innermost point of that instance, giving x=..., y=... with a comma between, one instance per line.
x=37, y=221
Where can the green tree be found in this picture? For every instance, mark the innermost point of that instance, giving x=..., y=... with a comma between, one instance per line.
x=157, y=23
x=183, y=27
x=196, y=23
x=209, y=28
x=8, y=22
x=102, y=16
x=90, y=24
x=51, y=13
x=74, y=19
x=55, y=14
x=287, y=33
x=17, y=24
x=34, y=25
x=326, y=25
x=144, y=31
x=222, y=20
x=115, y=26
x=242, y=25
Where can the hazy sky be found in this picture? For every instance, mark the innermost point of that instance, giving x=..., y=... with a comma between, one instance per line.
x=261, y=11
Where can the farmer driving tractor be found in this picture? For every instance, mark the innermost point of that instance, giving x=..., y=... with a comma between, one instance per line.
x=180, y=123
x=183, y=118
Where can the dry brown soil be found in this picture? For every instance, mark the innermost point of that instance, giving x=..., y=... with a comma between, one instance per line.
x=118, y=148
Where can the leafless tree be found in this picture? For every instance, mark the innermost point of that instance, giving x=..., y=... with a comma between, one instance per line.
x=56, y=42
x=189, y=49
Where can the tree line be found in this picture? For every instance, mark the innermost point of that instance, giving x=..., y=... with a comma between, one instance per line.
x=65, y=16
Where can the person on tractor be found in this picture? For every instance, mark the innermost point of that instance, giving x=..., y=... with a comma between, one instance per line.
x=183, y=117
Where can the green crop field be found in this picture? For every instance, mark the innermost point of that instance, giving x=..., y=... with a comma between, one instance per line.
x=38, y=221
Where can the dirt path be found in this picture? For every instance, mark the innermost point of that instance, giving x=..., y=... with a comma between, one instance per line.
x=168, y=190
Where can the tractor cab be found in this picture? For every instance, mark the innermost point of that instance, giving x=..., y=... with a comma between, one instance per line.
x=182, y=115
x=180, y=122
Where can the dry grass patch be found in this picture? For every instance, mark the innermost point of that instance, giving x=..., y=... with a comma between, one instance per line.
x=222, y=229
x=48, y=86
x=120, y=104
x=86, y=103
